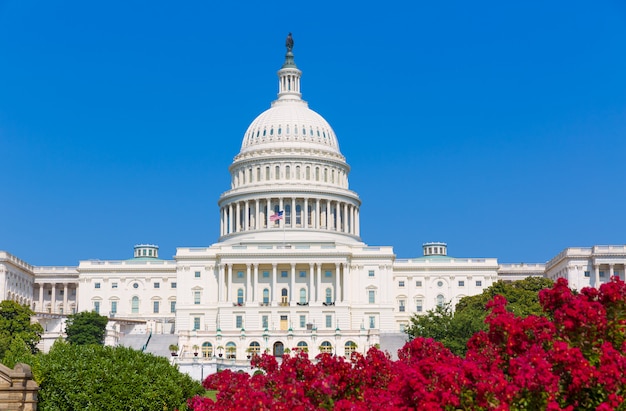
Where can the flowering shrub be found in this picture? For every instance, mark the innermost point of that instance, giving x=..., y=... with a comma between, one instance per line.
x=573, y=359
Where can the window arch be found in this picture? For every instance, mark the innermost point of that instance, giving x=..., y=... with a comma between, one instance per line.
x=254, y=348
x=266, y=296
x=349, y=348
x=326, y=347
x=303, y=346
x=240, y=296
x=440, y=300
x=303, y=296
x=207, y=350
x=231, y=351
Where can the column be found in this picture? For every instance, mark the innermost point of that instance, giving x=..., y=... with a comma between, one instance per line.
x=357, y=224
x=281, y=207
x=257, y=211
x=274, y=285
x=230, y=218
x=596, y=269
x=292, y=284
x=338, y=282
x=327, y=214
x=311, y=282
x=248, y=284
x=65, y=288
x=220, y=283
x=53, y=300
x=229, y=285
x=41, y=290
x=222, y=221
x=611, y=270
x=246, y=216
x=338, y=214
x=345, y=218
x=317, y=213
x=318, y=285
x=237, y=220
x=293, y=212
x=305, y=211
x=255, y=286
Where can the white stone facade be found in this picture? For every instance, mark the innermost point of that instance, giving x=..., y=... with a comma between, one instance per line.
x=306, y=280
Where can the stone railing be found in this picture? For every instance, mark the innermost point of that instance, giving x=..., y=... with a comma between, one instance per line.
x=18, y=390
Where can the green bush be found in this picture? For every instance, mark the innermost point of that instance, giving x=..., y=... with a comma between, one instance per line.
x=93, y=377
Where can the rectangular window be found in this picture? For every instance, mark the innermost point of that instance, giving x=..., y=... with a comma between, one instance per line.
x=196, y=323
x=196, y=297
x=96, y=306
x=239, y=274
x=113, y=285
x=401, y=306
x=419, y=306
x=601, y=273
x=370, y=273
x=587, y=274
x=113, y=307
x=400, y=283
x=155, y=307
x=197, y=274
x=265, y=321
x=266, y=274
x=418, y=283
x=173, y=285
x=283, y=274
x=372, y=321
x=172, y=306
x=371, y=296
x=302, y=274
x=157, y=285
x=329, y=321
x=302, y=321
x=239, y=321
x=479, y=283
x=328, y=274
x=461, y=283
x=96, y=285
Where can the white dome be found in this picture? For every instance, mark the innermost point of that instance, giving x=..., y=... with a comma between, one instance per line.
x=289, y=122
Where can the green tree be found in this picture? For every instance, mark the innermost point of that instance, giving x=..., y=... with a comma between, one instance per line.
x=454, y=329
x=87, y=327
x=17, y=334
x=94, y=377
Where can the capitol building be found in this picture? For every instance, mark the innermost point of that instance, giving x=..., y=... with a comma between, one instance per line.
x=289, y=269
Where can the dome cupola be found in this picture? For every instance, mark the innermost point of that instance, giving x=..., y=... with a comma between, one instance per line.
x=289, y=161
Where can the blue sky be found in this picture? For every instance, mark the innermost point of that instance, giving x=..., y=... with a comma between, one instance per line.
x=497, y=127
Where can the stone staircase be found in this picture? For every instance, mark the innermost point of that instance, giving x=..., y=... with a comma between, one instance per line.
x=159, y=344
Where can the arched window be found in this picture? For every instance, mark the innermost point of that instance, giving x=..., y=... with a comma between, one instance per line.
x=284, y=296
x=303, y=346
x=440, y=300
x=327, y=347
x=349, y=348
x=288, y=214
x=308, y=173
x=240, y=296
x=231, y=351
x=287, y=172
x=277, y=173
x=266, y=296
x=298, y=214
x=254, y=348
x=297, y=172
x=207, y=350
x=303, y=296
x=134, y=305
x=329, y=295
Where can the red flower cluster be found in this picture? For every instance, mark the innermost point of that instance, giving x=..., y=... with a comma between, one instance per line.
x=573, y=359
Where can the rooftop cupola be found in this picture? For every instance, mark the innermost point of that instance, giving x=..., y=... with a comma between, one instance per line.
x=289, y=75
x=146, y=251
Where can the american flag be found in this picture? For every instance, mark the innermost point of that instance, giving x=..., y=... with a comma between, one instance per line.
x=276, y=216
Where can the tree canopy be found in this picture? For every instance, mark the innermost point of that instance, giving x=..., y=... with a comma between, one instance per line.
x=454, y=329
x=94, y=377
x=17, y=333
x=87, y=327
